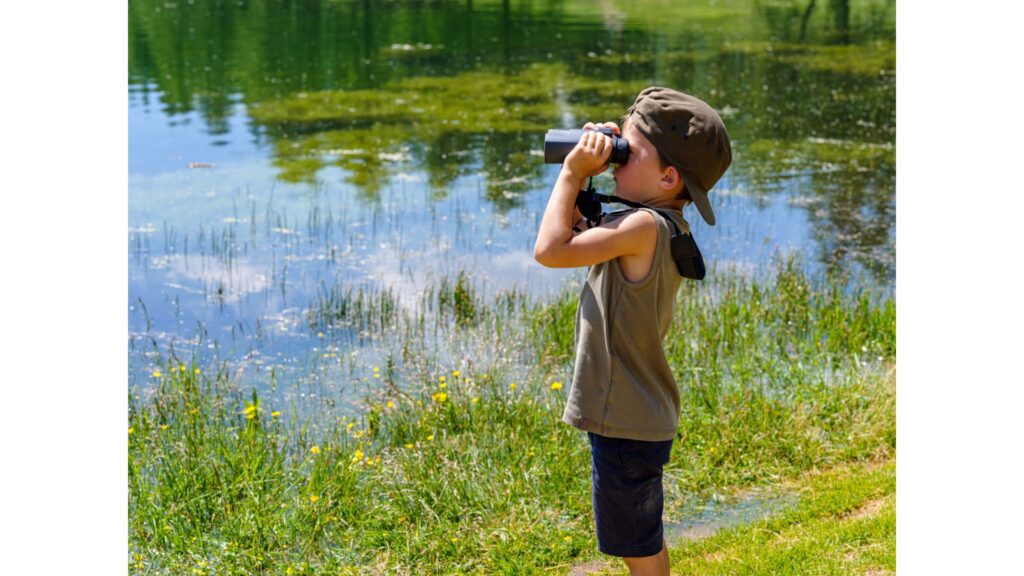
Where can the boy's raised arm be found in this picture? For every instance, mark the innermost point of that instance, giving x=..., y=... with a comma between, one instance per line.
x=556, y=246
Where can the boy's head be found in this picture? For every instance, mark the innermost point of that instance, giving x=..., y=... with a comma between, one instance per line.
x=689, y=136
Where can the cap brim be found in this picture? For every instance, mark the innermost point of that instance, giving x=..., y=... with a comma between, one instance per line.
x=700, y=199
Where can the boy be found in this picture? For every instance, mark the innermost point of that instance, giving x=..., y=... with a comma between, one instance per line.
x=623, y=393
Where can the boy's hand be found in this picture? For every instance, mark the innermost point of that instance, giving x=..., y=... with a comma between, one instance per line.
x=590, y=156
x=557, y=247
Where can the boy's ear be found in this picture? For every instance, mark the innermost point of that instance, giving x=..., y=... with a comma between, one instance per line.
x=670, y=178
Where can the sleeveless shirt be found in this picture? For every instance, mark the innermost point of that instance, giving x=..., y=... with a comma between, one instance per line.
x=622, y=385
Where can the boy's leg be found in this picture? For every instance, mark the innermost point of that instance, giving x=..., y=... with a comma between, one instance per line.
x=628, y=501
x=657, y=565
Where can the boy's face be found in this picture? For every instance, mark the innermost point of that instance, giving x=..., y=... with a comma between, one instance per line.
x=639, y=178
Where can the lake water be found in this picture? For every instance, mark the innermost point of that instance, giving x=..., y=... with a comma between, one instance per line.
x=281, y=153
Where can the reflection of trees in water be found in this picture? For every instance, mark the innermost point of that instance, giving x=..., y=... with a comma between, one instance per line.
x=831, y=21
x=846, y=187
x=854, y=219
x=199, y=55
x=453, y=90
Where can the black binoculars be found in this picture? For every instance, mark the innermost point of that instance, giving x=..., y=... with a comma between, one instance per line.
x=558, y=144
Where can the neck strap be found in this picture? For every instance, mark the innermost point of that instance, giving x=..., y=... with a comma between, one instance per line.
x=595, y=199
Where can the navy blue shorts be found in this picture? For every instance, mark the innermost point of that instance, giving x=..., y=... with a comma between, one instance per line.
x=628, y=499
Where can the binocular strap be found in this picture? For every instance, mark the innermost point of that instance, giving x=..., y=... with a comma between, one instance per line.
x=689, y=261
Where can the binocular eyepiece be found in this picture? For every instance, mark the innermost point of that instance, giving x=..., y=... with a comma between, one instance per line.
x=558, y=144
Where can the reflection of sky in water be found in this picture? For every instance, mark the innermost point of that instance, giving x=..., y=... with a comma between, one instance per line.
x=160, y=143
x=234, y=255
x=702, y=519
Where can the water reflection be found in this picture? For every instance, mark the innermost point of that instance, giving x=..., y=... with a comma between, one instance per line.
x=389, y=145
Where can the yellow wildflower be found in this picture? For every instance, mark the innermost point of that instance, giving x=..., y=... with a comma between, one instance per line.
x=391, y=404
x=157, y=373
x=197, y=371
x=485, y=376
x=431, y=437
x=163, y=426
x=512, y=386
x=475, y=399
x=442, y=386
x=408, y=445
x=376, y=374
x=357, y=456
x=275, y=414
x=313, y=497
x=443, y=378
x=419, y=403
x=376, y=368
x=131, y=429
x=181, y=368
x=350, y=425
x=567, y=538
x=556, y=385
x=456, y=373
x=315, y=449
x=440, y=397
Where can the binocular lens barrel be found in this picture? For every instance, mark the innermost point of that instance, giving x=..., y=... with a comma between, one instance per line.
x=558, y=144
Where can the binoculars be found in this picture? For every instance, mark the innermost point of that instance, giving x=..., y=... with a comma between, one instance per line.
x=558, y=144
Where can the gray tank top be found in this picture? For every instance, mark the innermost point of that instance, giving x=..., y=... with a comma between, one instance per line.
x=622, y=385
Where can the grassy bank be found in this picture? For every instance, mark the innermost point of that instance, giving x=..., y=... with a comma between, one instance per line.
x=844, y=523
x=470, y=472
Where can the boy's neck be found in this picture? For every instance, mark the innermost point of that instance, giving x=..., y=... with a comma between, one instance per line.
x=664, y=203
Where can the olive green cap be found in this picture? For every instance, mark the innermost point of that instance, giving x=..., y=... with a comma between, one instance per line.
x=690, y=135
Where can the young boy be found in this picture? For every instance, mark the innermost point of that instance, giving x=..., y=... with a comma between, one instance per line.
x=623, y=392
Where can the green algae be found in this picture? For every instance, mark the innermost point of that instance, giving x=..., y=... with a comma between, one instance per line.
x=371, y=133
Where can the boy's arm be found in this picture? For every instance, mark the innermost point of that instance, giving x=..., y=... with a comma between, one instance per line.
x=556, y=246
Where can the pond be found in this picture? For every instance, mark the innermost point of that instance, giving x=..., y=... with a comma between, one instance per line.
x=292, y=158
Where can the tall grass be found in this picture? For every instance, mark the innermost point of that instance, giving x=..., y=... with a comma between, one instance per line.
x=472, y=472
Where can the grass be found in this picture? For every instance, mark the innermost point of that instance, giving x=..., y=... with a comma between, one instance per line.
x=844, y=523
x=471, y=472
